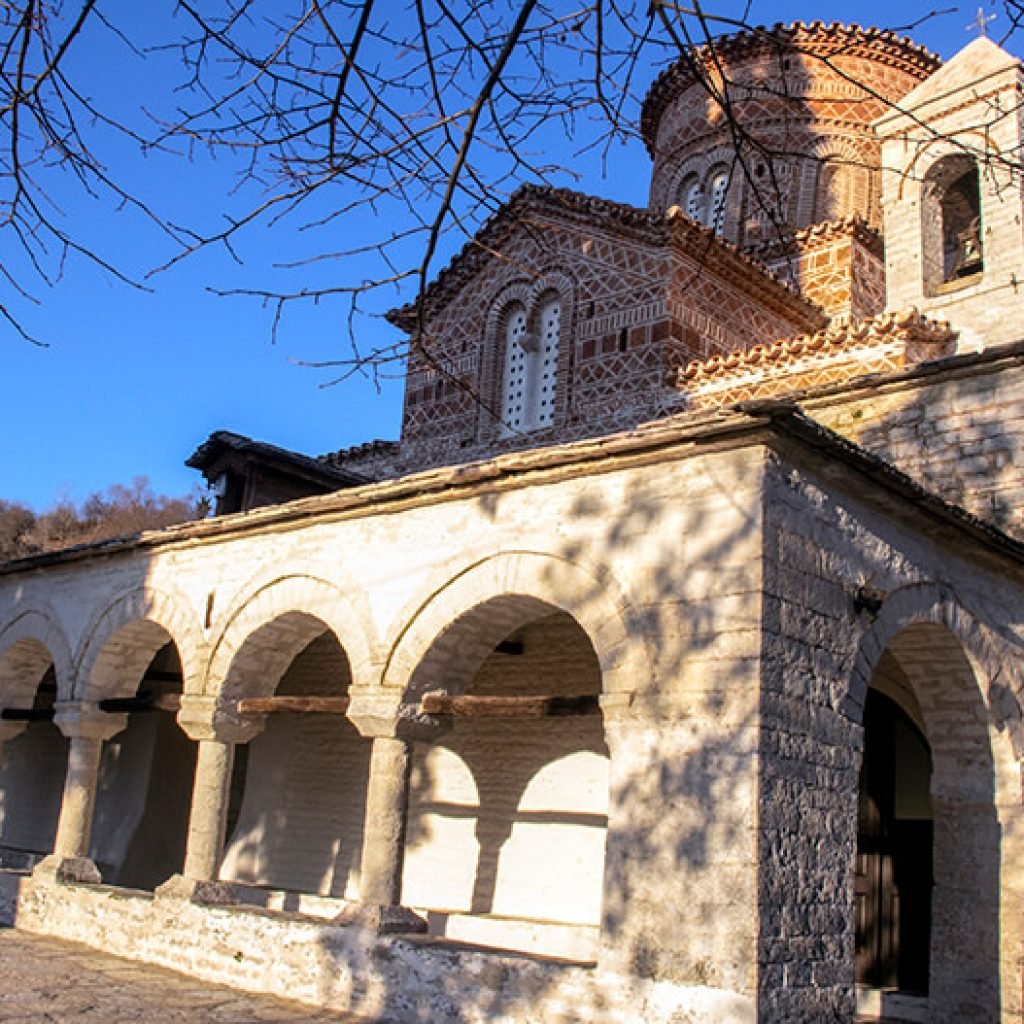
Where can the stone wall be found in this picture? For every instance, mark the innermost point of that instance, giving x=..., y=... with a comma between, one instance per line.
x=300, y=824
x=820, y=653
x=32, y=768
x=713, y=608
x=959, y=431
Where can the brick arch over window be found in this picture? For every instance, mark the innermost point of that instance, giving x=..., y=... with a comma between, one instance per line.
x=843, y=183
x=30, y=643
x=274, y=622
x=516, y=586
x=959, y=677
x=693, y=189
x=123, y=638
x=527, y=355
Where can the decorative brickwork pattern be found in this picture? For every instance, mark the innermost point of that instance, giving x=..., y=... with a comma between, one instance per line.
x=640, y=295
x=887, y=343
x=837, y=264
x=806, y=96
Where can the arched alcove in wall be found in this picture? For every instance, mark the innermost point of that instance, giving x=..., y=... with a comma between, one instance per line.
x=929, y=836
x=147, y=770
x=33, y=764
x=295, y=819
x=951, y=228
x=507, y=813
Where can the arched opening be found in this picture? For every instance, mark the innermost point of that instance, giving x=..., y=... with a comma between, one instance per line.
x=32, y=768
x=144, y=794
x=691, y=198
x=894, y=851
x=508, y=811
x=295, y=817
x=531, y=365
x=951, y=228
x=928, y=845
x=718, y=193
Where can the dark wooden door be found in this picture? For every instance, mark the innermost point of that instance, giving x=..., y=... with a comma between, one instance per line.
x=894, y=859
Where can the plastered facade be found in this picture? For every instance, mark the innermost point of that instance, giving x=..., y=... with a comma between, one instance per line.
x=767, y=493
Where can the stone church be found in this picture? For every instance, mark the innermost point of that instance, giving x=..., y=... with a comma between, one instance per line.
x=668, y=669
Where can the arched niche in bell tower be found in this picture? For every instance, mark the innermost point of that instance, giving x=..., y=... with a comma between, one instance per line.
x=952, y=196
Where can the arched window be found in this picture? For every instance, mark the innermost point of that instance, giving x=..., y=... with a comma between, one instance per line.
x=951, y=229
x=692, y=197
x=549, y=324
x=514, y=404
x=531, y=366
x=718, y=188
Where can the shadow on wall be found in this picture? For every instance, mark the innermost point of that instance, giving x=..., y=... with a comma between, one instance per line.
x=32, y=769
x=961, y=439
x=301, y=789
x=145, y=789
x=675, y=894
x=508, y=816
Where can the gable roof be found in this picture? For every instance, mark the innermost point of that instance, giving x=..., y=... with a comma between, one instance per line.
x=981, y=59
x=224, y=445
x=673, y=227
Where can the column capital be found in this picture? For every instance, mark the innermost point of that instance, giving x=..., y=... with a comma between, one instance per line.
x=83, y=720
x=206, y=718
x=384, y=714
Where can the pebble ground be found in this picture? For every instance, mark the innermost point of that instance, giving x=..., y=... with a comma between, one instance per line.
x=49, y=981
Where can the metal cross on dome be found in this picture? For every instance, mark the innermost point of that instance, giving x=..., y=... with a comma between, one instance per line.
x=981, y=22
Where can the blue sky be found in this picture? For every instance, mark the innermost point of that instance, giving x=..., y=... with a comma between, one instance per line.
x=132, y=381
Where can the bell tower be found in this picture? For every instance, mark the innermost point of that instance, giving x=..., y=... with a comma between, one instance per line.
x=952, y=204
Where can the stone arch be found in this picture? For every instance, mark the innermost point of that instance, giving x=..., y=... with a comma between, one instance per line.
x=300, y=785
x=29, y=643
x=34, y=655
x=512, y=583
x=123, y=638
x=516, y=624
x=273, y=622
x=973, y=143
x=934, y=603
x=952, y=669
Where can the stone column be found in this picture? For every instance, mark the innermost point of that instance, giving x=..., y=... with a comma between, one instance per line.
x=87, y=728
x=387, y=798
x=217, y=731
x=208, y=817
x=392, y=726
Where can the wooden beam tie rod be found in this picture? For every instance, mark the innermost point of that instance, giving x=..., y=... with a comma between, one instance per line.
x=437, y=702
x=27, y=714
x=293, y=705
x=142, y=702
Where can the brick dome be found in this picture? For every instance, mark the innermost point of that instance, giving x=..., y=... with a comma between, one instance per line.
x=804, y=97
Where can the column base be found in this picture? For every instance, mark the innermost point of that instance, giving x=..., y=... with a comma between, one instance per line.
x=68, y=870
x=382, y=918
x=197, y=890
